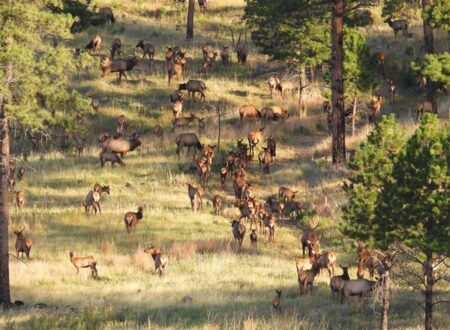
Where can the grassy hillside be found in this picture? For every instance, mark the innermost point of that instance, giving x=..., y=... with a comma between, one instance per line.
x=228, y=289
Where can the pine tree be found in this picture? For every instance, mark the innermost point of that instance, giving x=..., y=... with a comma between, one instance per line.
x=34, y=92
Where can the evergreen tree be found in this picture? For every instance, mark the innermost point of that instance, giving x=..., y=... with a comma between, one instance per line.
x=34, y=90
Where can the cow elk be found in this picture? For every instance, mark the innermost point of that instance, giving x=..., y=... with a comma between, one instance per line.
x=21, y=174
x=337, y=283
x=131, y=219
x=188, y=140
x=286, y=194
x=23, y=244
x=238, y=231
x=120, y=66
x=217, y=204
x=194, y=86
x=107, y=14
x=375, y=107
x=422, y=108
x=147, y=49
x=177, y=105
x=327, y=260
x=265, y=160
x=20, y=199
x=253, y=139
x=253, y=237
x=309, y=240
x=225, y=55
x=358, y=287
x=203, y=5
x=196, y=196
x=249, y=112
x=398, y=25
x=306, y=278
x=381, y=57
x=175, y=68
x=116, y=47
x=84, y=262
x=392, y=91
x=94, y=45
x=159, y=259
x=273, y=82
x=285, y=87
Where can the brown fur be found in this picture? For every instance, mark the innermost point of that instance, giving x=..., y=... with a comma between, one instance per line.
x=84, y=262
x=131, y=219
x=23, y=244
x=159, y=259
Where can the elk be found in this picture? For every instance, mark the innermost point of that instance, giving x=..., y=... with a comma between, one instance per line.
x=175, y=68
x=203, y=5
x=217, y=204
x=277, y=302
x=273, y=82
x=270, y=224
x=196, y=196
x=337, y=282
x=159, y=259
x=121, y=66
x=116, y=47
x=93, y=198
x=208, y=152
x=84, y=262
x=159, y=133
x=95, y=104
x=177, y=105
x=306, y=278
x=286, y=194
x=422, y=108
x=253, y=139
x=122, y=146
x=359, y=287
x=392, y=90
x=238, y=231
x=253, y=237
x=223, y=175
x=265, y=160
x=176, y=96
x=107, y=14
x=249, y=111
x=398, y=25
x=147, y=49
x=240, y=48
x=203, y=170
x=131, y=219
x=110, y=157
x=206, y=50
x=121, y=122
x=272, y=146
x=327, y=260
x=375, y=105
x=274, y=113
x=367, y=258
x=305, y=263
x=187, y=140
x=286, y=87
x=208, y=62
x=23, y=243
x=194, y=86
x=21, y=174
x=183, y=122
x=94, y=45
x=225, y=55
x=20, y=199
x=381, y=57
x=309, y=240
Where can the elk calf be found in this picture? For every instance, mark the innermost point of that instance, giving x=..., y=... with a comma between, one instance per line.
x=133, y=218
x=159, y=259
x=265, y=160
x=23, y=244
x=306, y=278
x=277, y=301
x=84, y=262
x=286, y=194
x=147, y=49
x=116, y=47
x=309, y=240
x=375, y=105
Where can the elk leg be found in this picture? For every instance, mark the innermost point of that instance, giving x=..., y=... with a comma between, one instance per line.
x=99, y=209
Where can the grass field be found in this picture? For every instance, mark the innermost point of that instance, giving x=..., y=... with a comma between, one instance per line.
x=229, y=290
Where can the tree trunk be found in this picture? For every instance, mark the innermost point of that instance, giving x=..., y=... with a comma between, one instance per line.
x=301, y=101
x=337, y=82
x=190, y=20
x=386, y=300
x=429, y=292
x=429, y=49
x=5, y=297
